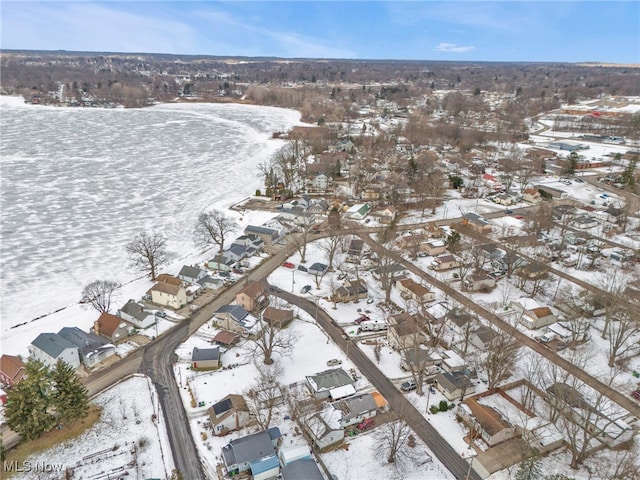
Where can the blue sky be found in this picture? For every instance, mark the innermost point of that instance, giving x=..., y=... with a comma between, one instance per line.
x=417, y=30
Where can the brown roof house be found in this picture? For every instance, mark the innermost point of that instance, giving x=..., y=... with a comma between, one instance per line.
x=444, y=262
x=402, y=331
x=409, y=289
x=484, y=421
x=277, y=316
x=252, y=297
x=479, y=281
x=113, y=328
x=11, y=370
x=476, y=222
x=229, y=414
x=351, y=291
x=169, y=295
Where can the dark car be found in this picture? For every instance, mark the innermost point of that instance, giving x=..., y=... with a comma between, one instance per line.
x=224, y=274
x=302, y=268
x=508, y=211
x=305, y=289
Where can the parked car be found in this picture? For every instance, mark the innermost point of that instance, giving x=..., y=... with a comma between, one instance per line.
x=636, y=394
x=334, y=362
x=305, y=289
x=302, y=268
x=408, y=386
x=288, y=265
x=238, y=271
x=224, y=274
x=519, y=217
x=366, y=425
x=161, y=314
x=508, y=211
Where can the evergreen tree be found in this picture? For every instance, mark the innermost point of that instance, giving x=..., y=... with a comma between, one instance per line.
x=70, y=397
x=572, y=164
x=628, y=175
x=529, y=469
x=28, y=406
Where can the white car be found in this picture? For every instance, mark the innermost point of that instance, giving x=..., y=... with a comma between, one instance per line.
x=334, y=362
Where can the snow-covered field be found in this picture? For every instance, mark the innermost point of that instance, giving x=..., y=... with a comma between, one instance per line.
x=129, y=440
x=78, y=184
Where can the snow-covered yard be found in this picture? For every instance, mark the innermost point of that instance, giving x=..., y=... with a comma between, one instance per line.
x=129, y=440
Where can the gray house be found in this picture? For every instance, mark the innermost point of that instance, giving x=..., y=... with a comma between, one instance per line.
x=268, y=235
x=305, y=468
x=135, y=314
x=334, y=383
x=454, y=385
x=210, y=282
x=191, y=274
x=236, y=252
x=92, y=348
x=51, y=347
x=356, y=409
x=324, y=428
x=254, y=453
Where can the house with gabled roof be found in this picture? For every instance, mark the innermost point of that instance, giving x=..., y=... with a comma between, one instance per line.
x=236, y=252
x=279, y=317
x=229, y=414
x=92, y=348
x=352, y=290
x=211, y=282
x=135, y=313
x=359, y=211
x=221, y=263
x=537, y=317
x=485, y=421
x=410, y=289
x=434, y=247
x=444, y=262
x=334, y=383
x=268, y=235
x=224, y=338
x=253, y=297
x=253, y=453
x=168, y=295
x=482, y=337
x=191, y=274
x=112, y=328
x=358, y=408
x=479, y=281
x=234, y=318
x=454, y=385
x=476, y=222
x=51, y=347
x=324, y=428
x=11, y=370
x=205, y=358
x=402, y=331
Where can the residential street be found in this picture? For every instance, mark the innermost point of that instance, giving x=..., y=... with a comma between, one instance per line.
x=458, y=466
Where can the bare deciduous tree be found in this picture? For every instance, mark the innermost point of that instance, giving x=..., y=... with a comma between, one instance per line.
x=99, y=295
x=500, y=359
x=265, y=394
x=622, y=333
x=212, y=228
x=330, y=246
x=392, y=440
x=147, y=252
x=270, y=340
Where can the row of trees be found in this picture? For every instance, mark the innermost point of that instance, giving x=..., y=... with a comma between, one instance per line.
x=46, y=397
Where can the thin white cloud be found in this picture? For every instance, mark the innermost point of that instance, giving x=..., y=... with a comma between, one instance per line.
x=452, y=47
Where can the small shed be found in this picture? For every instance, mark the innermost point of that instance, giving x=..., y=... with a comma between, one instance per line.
x=205, y=358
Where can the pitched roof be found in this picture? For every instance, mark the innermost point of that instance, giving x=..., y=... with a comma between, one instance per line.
x=85, y=341
x=108, y=324
x=253, y=290
x=12, y=367
x=250, y=448
x=190, y=272
x=52, y=344
x=414, y=287
x=166, y=278
x=236, y=311
x=204, y=354
x=354, y=406
x=166, y=288
x=332, y=378
x=225, y=337
x=277, y=314
x=542, y=312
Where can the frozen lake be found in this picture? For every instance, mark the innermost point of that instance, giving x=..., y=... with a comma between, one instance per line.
x=78, y=184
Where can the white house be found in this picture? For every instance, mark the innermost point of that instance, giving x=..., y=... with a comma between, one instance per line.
x=135, y=314
x=229, y=414
x=51, y=347
x=359, y=211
